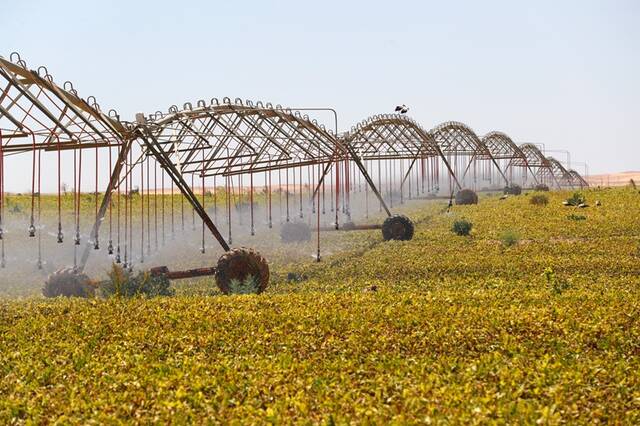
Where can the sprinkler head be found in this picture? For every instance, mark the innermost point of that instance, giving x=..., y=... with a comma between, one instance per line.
x=39, y=263
x=60, y=237
x=118, y=256
x=32, y=231
x=96, y=244
x=1, y=233
x=202, y=250
x=110, y=248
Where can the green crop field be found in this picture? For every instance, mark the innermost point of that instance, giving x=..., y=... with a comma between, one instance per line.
x=533, y=317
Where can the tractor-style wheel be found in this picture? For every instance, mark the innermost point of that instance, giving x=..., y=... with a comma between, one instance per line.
x=466, y=197
x=242, y=271
x=68, y=283
x=295, y=232
x=397, y=227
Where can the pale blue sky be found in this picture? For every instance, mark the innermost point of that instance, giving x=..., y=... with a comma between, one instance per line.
x=563, y=73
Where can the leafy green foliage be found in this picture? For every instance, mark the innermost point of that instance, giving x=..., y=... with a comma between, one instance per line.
x=249, y=285
x=123, y=283
x=539, y=200
x=462, y=335
x=509, y=238
x=462, y=227
x=555, y=284
x=576, y=199
x=576, y=217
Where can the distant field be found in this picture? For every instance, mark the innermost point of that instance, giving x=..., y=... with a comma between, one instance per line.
x=442, y=328
x=614, y=179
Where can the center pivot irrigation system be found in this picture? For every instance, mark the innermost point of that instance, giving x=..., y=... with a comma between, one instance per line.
x=252, y=157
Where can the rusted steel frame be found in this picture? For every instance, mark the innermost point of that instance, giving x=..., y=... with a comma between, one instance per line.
x=293, y=140
x=326, y=170
x=63, y=146
x=183, y=186
x=449, y=169
x=222, y=143
x=353, y=227
x=267, y=139
x=365, y=174
x=199, y=141
x=458, y=135
x=409, y=137
x=426, y=136
x=425, y=149
x=236, y=155
x=28, y=76
x=293, y=149
x=233, y=131
x=248, y=117
x=16, y=135
x=174, y=139
x=106, y=200
x=4, y=93
x=396, y=139
x=289, y=152
x=5, y=113
x=404, y=179
x=35, y=102
x=63, y=111
x=271, y=136
x=466, y=170
x=381, y=139
x=70, y=121
x=262, y=169
x=359, y=140
x=187, y=170
x=547, y=171
x=485, y=151
x=178, y=275
x=26, y=110
x=58, y=93
x=576, y=176
x=564, y=174
x=526, y=165
x=403, y=156
x=495, y=163
x=526, y=162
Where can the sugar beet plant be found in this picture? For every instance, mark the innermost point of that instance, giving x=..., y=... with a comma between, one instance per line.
x=462, y=227
x=123, y=283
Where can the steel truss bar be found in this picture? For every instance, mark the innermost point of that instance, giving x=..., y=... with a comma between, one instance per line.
x=183, y=186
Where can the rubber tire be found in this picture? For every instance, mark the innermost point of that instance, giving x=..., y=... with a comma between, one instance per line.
x=466, y=197
x=237, y=264
x=295, y=232
x=68, y=283
x=397, y=227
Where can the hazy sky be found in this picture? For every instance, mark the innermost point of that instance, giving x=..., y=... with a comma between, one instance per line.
x=562, y=73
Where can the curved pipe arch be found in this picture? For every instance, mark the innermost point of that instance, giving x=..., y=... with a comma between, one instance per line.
x=394, y=136
x=457, y=138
